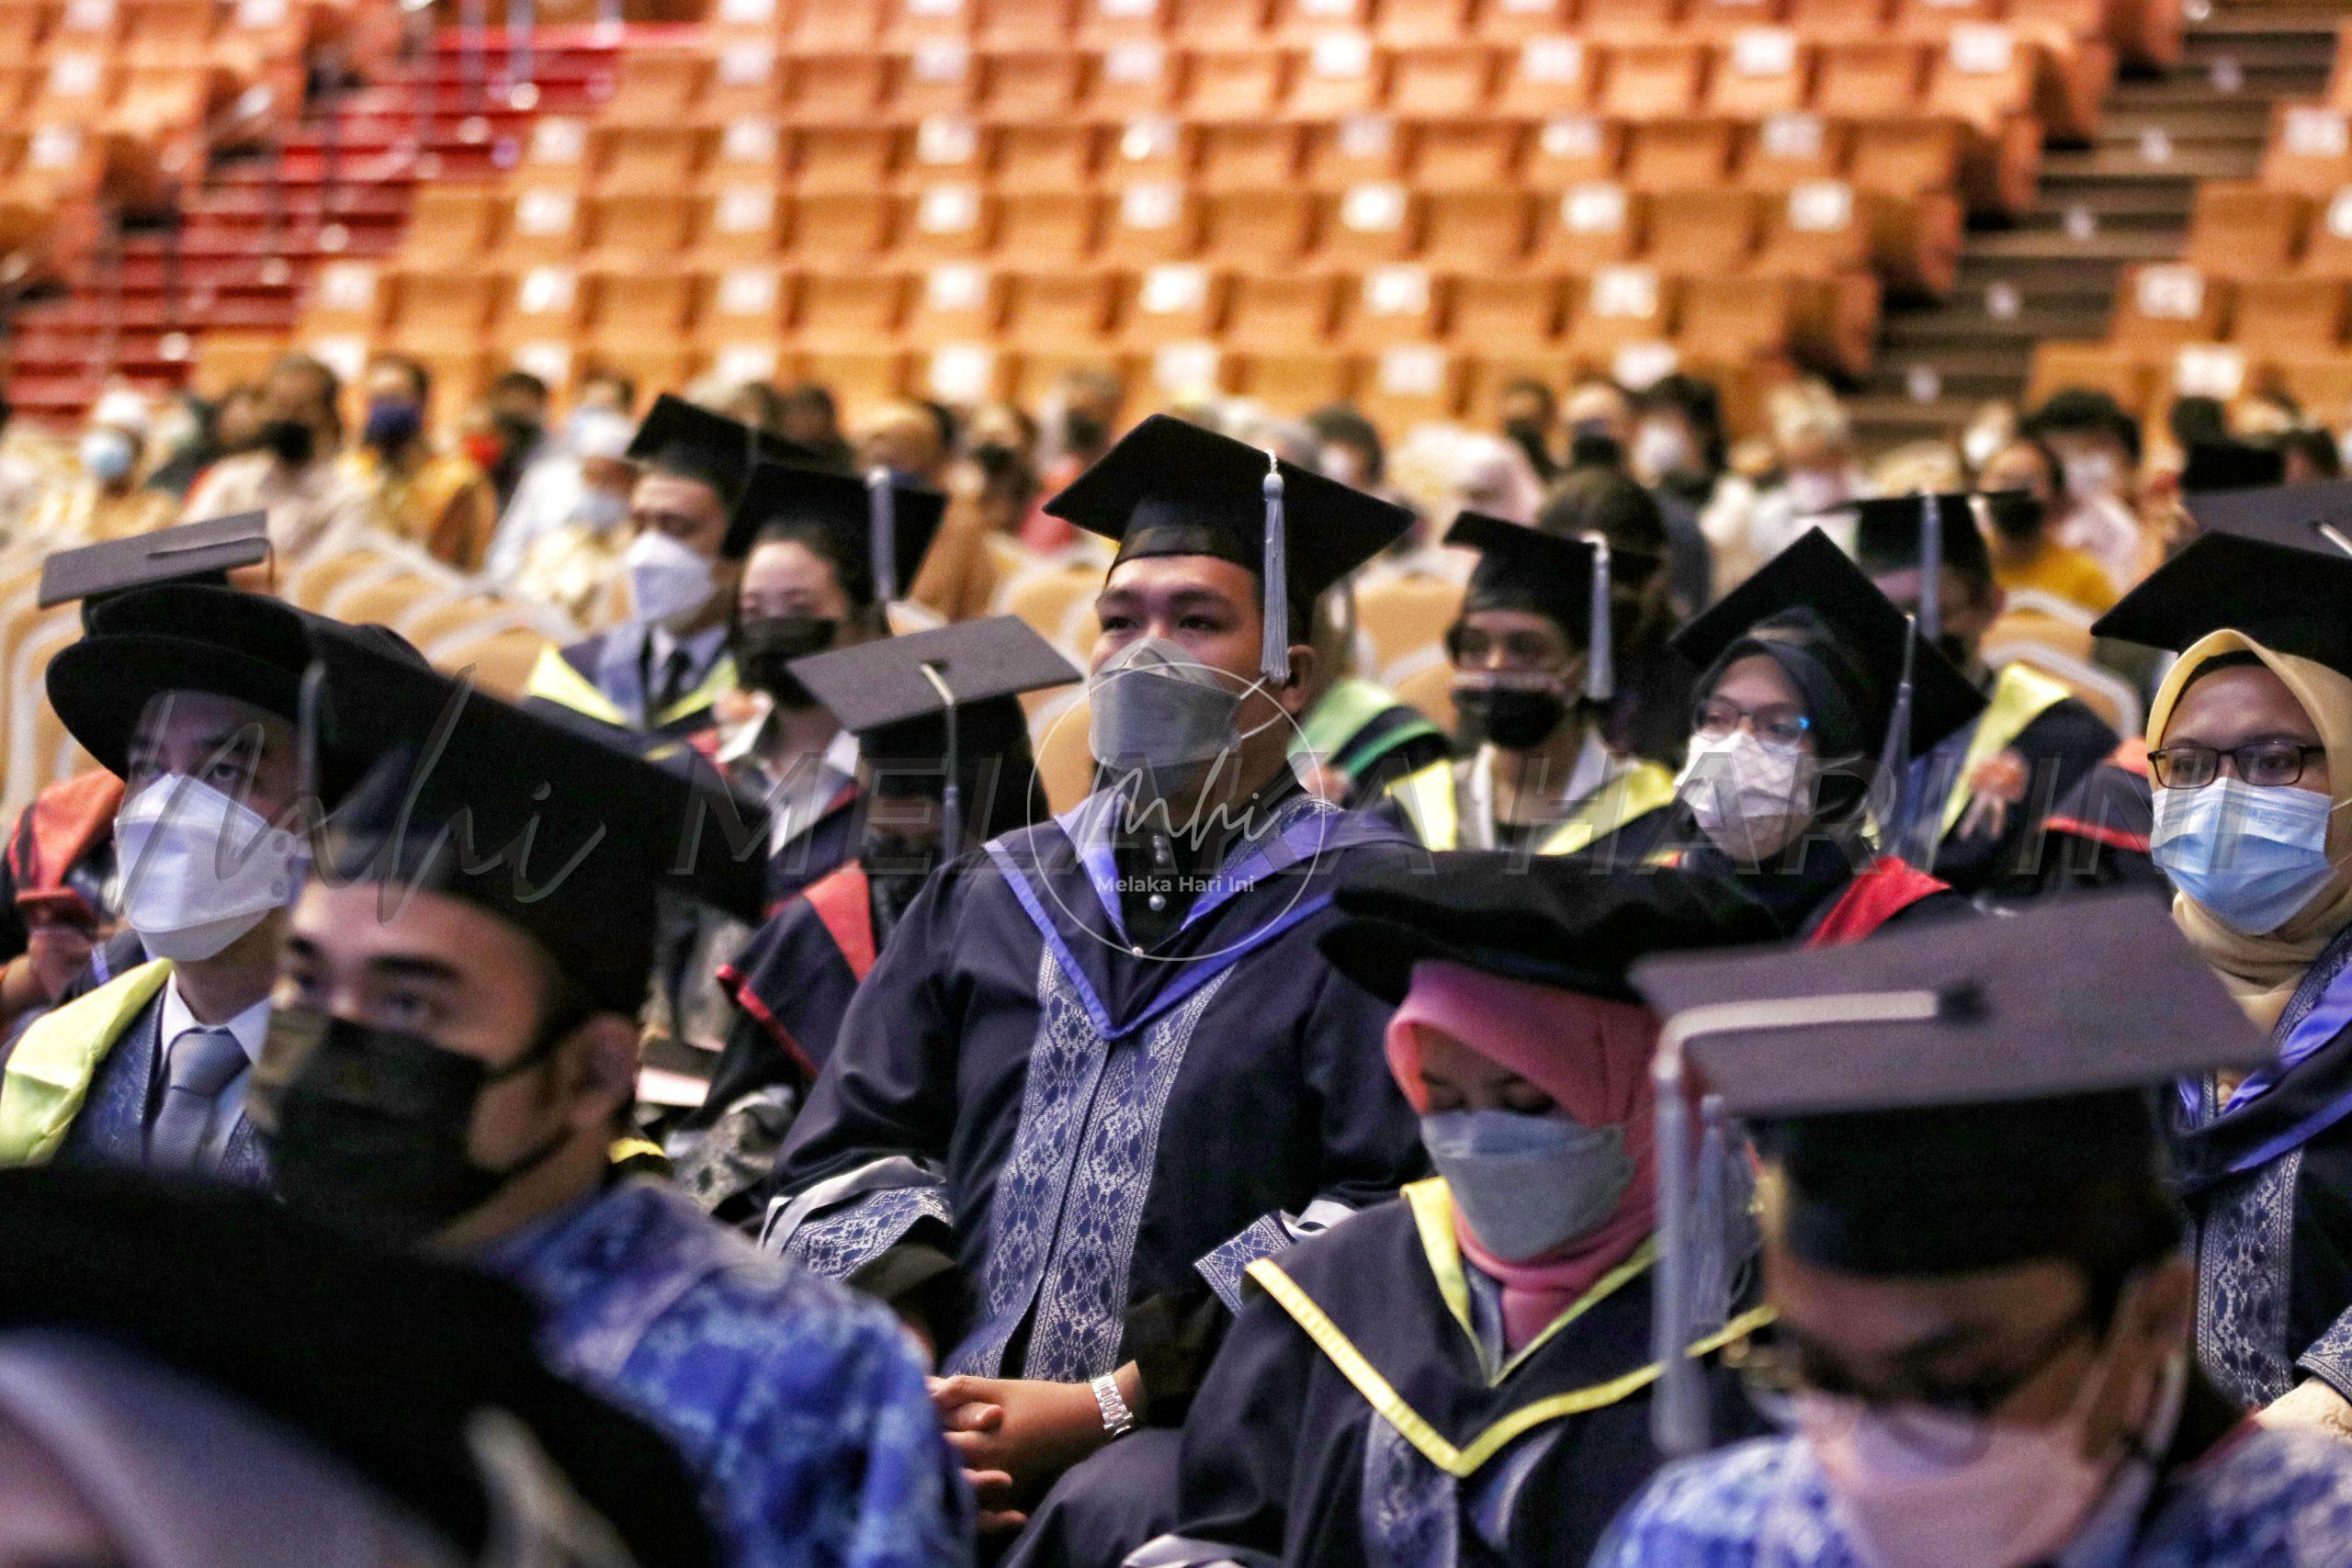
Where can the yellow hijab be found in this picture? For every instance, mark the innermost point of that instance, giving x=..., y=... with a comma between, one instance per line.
x=2263, y=971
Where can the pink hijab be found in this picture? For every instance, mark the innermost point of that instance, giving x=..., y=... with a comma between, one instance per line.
x=1593, y=1057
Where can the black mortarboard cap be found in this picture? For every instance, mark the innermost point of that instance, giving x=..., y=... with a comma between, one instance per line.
x=1933, y=1102
x=1550, y=922
x=688, y=439
x=1564, y=577
x=1890, y=534
x=2289, y=598
x=1171, y=487
x=1812, y=590
x=2230, y=465
x=2316, y=516
x=889, y=693
x=865, y=518
x=382, y=1358
x=187, y=638
x=205, y=552
x=552, y=825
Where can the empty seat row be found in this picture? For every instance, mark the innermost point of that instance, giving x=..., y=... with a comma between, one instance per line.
x=1898, y=157
x=2242, y=230
x=2134, y=25
x=1984, y=75
x=1821, y=226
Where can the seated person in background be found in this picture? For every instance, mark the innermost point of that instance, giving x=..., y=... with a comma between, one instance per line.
x=573, y=560
x=1461, y=1376
x=291, y=472
x=2099, y=832
x=106, y=500
x=793, y=982
x=661, y=670
x=913, y=443
x=1356, y=739
x=437, y=500
x=1983, y=792
x=1984, y=1314
x=1100, y=1069
x=189, y=696
x=456, y=1051
x=190, y=1378
x=1800, y=709
x=1532, y=656
x=2027, y=555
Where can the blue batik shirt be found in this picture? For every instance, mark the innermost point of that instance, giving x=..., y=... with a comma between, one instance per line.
x=800, y=1407
x=2263, y=1500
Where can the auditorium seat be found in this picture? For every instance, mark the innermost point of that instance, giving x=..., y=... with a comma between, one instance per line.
x=1876, y=79
x=746, y=78
x=1152, y=222
x=1828, y=226
x=1172, y=303
x=170, y=32
x=657, y=87
x=1106, y=24
x=1620, y=306
x=750, y=149
x=843, y=160
x=1653, y=81
x=1062, y=310
x=1505, y=21
x=2289, y=317
x=1478, y=230
x=833, y=228
x=2309, y=149
x=542, y=223
x=1760, y=72
x=1031, y=84
x=641, y=231
x=752, y=303
x=429, y=311
x=955, y=303
x=1698, y=233
x=1591, y=226
x=836, y=26
x=1546, y=77
x=547, y=304
x=1252, y=156
x=742, y=223
x=1292, y=382
x=836, y=89
x=1048, y=227
x=912, y=23
x=1466, y=155
x=1367, y=224
x=1046, y=157
x=1024, y=24
x=1226, y=84
x=1631, y=21
x=1680, y=154
x=636, y=312
x=1134, y=81
x=1387, y=307
x=1337, y=74
x=1984, y=75
x=1933, y=21
x=2158, y=308
x=1721, y=19
x=1412, y=24
x=1301, y=21
x=1738, y=320
x=2238, y=230
x=1225, y=23
x=1360, y=150
x=1489, y=313
x=1572, y=148
x=936, y=79
x=1282, y=310
x=1442, y=81
x=1829, y=21
x=2328, y=247
x=948, y=149
x=348, y=298
x=1257, y=229
x=1410, y=385
x=944, y=221
x=1785, y=151
x=558, y=152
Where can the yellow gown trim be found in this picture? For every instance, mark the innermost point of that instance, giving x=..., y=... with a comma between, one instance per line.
x=1432, y=804
x=2020, y=695
x=50, y=1071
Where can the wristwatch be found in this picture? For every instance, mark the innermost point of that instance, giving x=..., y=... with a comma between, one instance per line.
x=1117, y=1419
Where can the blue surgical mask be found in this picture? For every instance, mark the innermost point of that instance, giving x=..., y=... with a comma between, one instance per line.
x=107, y=454
x=1528, y=1185
x=2253, y=857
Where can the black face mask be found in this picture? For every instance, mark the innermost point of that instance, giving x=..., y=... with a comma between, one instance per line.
x=290, y=441
x=1084, y=433
x=765, y=646
x=1516, y=719
x=2015, y=517
x=368, y=1132
x=997, y=460
x=1953, y=647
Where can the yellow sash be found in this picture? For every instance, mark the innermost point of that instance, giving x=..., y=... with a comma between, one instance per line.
x=1430, y=804
x=1430, y=1204
x=554, y=680
x=51, y=1072
x=2020, y=695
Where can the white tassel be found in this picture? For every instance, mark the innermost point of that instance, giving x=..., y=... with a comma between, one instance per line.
x=1273, y=659
x=1601, y=656
x=1932, y=566
x=882, y=515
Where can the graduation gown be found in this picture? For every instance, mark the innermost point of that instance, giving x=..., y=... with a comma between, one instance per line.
x=2099, y=832
x=799, y=1408
x=1099, y=1138
x=62, y=848
x=2268, y=1185
x=1616, y=824
x=1364, y=732
x=604, y=677
x=1827, y=900
x=1352, y=1416
x=1996, y=781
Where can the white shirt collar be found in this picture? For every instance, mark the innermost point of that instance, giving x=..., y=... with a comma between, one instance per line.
x=247, y=1027
x=701, y=647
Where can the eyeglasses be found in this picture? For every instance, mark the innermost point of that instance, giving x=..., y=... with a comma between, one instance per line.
x=1716, y=717
x=1530, y=650
x=2266, y=764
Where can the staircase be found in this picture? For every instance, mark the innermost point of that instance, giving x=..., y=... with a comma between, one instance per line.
x=2123, y=200
x=239, y=252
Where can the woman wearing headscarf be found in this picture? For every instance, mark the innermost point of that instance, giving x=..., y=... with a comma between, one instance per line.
x=1462, y=1375
x=2250, y=750
x=1800, y=718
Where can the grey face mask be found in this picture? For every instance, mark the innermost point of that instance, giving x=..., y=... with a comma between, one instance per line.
x=1155, y=710
x=1528, y=1185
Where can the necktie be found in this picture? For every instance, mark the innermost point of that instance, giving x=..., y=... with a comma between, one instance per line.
x=201, y=1063
x=674, y=673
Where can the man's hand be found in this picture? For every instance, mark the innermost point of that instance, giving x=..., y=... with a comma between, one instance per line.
x=1016, y=1436
x=2312, y=1406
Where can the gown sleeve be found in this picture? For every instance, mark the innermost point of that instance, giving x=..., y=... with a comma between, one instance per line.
x=863, y=1170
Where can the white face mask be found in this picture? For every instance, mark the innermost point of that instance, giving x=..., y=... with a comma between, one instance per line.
x=1749, y=798
x=2091, y=474
x=667, y=582
x=199, y=869
x=1817, y=490
x=1660, y=449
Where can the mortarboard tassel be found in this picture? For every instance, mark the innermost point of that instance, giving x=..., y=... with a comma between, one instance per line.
x=1892, y=788
x=1600, y=656
x=1679, y=1413
x=1931, y=564
x=309, y=703
x=1273, y=657
x=2334, y=535
x=882, y=514
x=951, y=803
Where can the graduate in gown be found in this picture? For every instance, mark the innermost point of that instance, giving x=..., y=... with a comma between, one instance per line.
x=1463, y=1376
x=2250, y=743
x=1100, y=1068
x=793, y=982
x=2099, y=830
x=1357, y=736
x=454, y=1050
x=1983, y=1349
x=1797, y=738
x=1534, y=654
x=1986, y=791
x=217, y=1385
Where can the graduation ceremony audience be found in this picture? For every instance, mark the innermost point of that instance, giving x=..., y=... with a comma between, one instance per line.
x=753, y=974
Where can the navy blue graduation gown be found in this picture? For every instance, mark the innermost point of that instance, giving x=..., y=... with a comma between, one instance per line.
x=1286, y=1457
x=1097, y=1137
